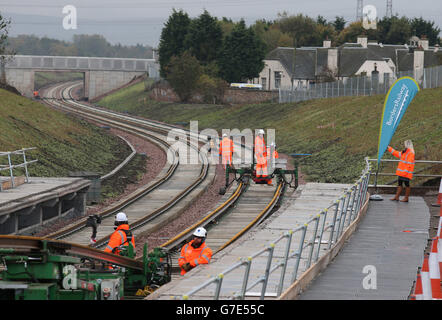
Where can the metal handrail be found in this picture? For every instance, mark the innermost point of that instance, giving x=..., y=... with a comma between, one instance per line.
x=11, y=166
x=345, y=210
x=415, y=174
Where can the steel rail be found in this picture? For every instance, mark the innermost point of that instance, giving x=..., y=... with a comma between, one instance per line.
x=257, y=219
x=35, y=243
x=175, y=241
x=139, y=223
x=132, y=198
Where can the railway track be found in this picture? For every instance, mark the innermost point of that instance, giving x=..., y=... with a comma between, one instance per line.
x=150, y=207
x=237, y=212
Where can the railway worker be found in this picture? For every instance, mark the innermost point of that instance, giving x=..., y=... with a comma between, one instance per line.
x=121, y=236
x=36, y=94
x=404, y=169
x=275, y=154
x=195, y=252
x=226, y=150
x=261, y=155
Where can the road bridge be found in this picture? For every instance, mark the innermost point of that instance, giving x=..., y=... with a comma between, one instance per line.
x=101, y=75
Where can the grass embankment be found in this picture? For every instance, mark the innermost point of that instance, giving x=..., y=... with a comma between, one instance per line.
x=64, y=143
x=338, y=132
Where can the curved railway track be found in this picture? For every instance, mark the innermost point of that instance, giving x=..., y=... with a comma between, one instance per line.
x=237, y=212
x=148, y=207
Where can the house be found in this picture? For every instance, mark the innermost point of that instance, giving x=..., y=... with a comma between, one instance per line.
x=291, y=68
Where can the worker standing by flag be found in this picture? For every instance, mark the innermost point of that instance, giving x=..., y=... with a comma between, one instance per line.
x=226, y=150
x=404, y=170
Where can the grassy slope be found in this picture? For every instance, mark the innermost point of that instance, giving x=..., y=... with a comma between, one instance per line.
x=339, y=132
x=63, y=143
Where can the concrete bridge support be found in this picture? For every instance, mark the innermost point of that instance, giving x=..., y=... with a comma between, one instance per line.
x=22, y=80
x=98, y=83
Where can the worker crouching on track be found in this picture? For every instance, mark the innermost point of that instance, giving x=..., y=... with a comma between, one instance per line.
x=404, y=170
x=121, y=236
x=195, y=252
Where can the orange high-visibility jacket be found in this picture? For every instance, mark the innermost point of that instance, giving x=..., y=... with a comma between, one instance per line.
x=226, y=149
x=118, y=238
x=260, y=150
x=275, y=154
x=405, y=167
x=195, y=256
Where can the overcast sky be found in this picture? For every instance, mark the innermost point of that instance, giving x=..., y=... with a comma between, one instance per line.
x=140, y=21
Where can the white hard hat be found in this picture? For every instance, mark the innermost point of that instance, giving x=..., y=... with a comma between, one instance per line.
x=225, y=135
x=200, y=232
x=121, y=216
x=260, y=131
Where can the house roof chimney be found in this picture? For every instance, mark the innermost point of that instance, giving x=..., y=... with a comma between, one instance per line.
x=326, y=43
x=423, y=42
x=363, y=41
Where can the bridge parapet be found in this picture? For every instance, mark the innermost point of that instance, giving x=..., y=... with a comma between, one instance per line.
x=101, y=75
x=81, y=63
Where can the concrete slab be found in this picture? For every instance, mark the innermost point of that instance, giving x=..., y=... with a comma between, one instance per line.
x=38, y=190
x=379, y=242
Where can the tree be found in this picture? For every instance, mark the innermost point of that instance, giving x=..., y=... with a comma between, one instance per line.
x=302, y=29
x=321, y=20
x=204, y=38
x=339, y=23
x=242, y=54
x=274, y=38
x=183, y=73
x=421, y=27
x=4, y=30
x=172, y=38
x=399, y=32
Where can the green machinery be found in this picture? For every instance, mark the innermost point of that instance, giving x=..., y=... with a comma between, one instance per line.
x=279, y=172
x=42, y=269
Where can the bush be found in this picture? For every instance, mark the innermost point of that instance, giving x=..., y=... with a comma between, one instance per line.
x=183, y=74
x=211, y=88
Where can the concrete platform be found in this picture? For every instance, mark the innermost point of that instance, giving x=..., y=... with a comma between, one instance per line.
x=305, y=203
x=42, y=199
x=389, y=243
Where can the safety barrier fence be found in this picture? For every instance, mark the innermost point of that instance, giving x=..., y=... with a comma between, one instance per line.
x=11, y=167
x=428, y=281
x=308, y=240
x=360, y=85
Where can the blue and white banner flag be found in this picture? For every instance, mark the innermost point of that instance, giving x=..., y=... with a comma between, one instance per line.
x=396, y=103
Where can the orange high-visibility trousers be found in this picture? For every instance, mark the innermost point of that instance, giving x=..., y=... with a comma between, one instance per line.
x=261, y=157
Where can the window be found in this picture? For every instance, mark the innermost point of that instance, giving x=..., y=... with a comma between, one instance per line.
x=278, y=76
x=264, y=83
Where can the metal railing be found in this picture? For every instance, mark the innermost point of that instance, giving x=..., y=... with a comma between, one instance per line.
x=417, y=175
x=10, y=166
x=360, y=85
x=340, y=215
